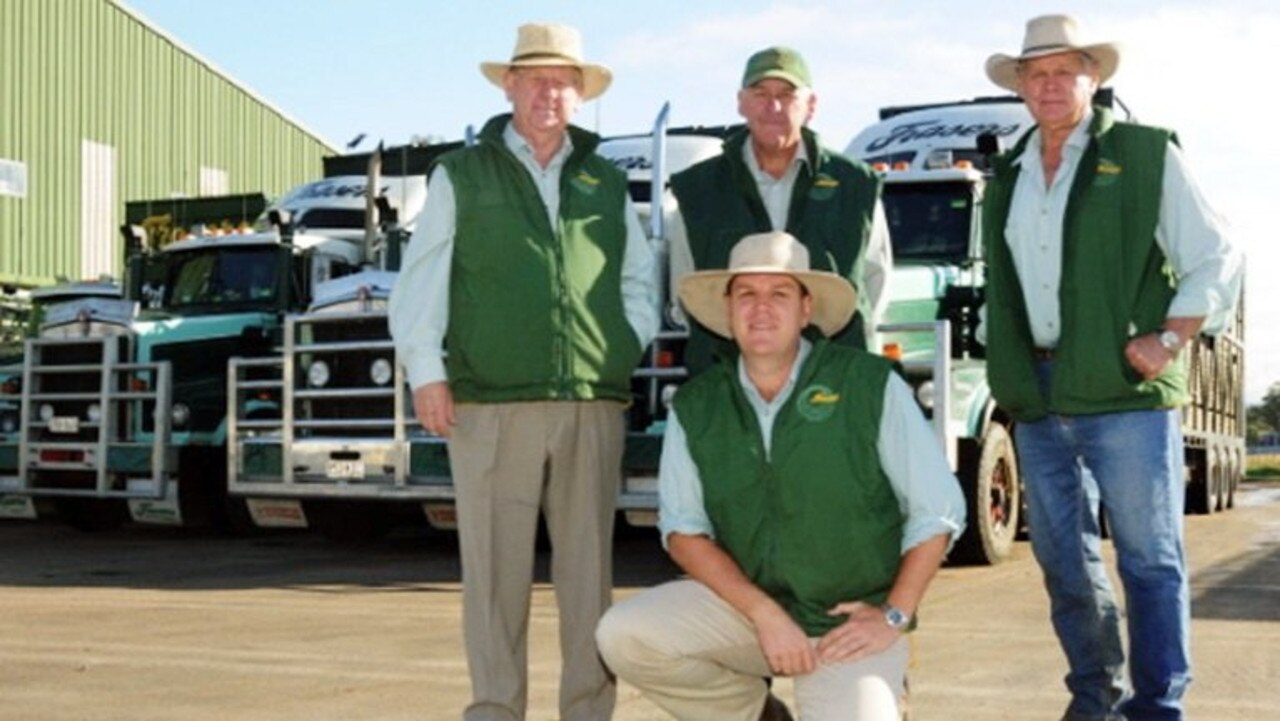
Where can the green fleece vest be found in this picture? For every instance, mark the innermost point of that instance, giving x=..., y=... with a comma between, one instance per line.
x=831, y=213
x=1116, y=282
x=536, y=312
x=817, y=522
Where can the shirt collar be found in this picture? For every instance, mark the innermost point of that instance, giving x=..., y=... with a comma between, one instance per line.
x=800, y=159
x=805, y=348
x=1077, y=141
x=521, y=148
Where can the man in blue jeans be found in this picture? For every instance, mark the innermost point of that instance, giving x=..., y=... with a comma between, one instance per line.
x=1103, y=262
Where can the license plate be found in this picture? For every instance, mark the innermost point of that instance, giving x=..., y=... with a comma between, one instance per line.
x=345, y=469
x=64, y=424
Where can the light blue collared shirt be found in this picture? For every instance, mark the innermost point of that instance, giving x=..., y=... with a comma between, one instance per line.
x=1190, y=233
x=928, y=494
x=418, y=311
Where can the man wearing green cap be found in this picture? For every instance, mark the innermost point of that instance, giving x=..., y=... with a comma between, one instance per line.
x=775, y=175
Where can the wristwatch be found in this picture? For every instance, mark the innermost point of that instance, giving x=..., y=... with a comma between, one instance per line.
x=895, y=617
x=1170, y=341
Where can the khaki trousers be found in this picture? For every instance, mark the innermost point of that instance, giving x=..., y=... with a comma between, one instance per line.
x=694, y=655
x=509, y=461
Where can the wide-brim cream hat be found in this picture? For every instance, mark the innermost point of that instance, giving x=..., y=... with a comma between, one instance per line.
x=703, y=292
x=1050, y=35
x=548, y=45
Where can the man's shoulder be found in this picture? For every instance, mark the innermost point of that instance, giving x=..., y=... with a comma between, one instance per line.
x=701, y=170
x=1145, y=133
x=457, y=157
x=837, y=352
x=832, y=162
x=709, y=381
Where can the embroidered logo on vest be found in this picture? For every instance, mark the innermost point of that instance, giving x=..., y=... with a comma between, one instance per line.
x=1107, y=173
x=585, y=182
x=824, y=187
x=817, y=402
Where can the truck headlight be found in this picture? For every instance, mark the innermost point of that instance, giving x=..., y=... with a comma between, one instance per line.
x=318, y=374
x=46, y=412
x=181, y=414
x=380, y=371
x=93, y=413
x=924, y=395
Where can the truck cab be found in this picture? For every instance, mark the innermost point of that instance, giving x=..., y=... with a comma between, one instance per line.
x=123, y=415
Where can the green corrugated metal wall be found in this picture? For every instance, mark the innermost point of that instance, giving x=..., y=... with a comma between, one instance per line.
x=76, y=70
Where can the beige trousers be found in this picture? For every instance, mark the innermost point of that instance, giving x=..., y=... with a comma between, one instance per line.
x=509, y=461
x=694, y=655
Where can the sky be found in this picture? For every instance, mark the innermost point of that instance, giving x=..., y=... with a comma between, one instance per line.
x=399, y=69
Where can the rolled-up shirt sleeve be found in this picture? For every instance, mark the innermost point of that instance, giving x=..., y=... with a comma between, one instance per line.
x=418, y=310
x=680, y=504
x=1197, y=242
x=927, y=491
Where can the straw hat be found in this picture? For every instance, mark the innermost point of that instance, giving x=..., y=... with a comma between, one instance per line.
x=1050, y=35
x=549, y=45
x=703, y=292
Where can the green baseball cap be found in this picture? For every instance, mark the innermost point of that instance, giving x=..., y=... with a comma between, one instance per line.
x=776, y=62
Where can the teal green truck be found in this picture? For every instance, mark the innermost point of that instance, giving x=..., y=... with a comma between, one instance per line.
x=122, y=404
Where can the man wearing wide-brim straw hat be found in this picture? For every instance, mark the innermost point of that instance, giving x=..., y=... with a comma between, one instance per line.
x=1103, y=262
x=531, y=266
x=805, y=496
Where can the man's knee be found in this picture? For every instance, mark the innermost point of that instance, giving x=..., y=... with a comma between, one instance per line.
x=621, y=639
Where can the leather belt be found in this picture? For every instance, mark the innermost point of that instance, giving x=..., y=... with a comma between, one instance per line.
x=1043, y=354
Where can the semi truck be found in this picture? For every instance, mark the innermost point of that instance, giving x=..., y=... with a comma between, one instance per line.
x=25, y=312
x=342, y=452
x=123, y=416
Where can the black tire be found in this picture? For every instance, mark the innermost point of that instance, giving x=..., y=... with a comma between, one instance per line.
x=349, y=521
x=93, y=515
x=1200, y=500
x=1232, y=482
x=993, y=495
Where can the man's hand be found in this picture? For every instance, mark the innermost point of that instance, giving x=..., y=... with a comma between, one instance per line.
x=865, y=633
x=1147, y=356
x=786, y=647
x=433, y=405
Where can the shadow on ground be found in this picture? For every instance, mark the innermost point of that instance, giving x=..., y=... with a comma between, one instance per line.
x=411, y=559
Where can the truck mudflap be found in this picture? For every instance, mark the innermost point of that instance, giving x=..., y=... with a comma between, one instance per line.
x=329, y=419
x=91, y=425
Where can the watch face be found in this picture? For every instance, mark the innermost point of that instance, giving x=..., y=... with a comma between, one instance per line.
x=895, y=617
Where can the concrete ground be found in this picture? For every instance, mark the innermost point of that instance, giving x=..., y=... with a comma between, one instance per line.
x=168, y=625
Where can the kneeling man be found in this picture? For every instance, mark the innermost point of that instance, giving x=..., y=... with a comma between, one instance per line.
x=807, y=499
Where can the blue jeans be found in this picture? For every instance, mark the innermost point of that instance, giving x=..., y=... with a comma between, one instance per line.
x=1135, y=459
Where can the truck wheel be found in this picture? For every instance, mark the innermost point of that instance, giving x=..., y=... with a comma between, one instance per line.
x=348, y=521
x=1231, y=482
x=92, y=515
x=992, y=491
x=1199, y=500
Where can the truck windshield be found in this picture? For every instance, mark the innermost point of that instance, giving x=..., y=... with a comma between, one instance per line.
x=222, y=277
x=929, y=222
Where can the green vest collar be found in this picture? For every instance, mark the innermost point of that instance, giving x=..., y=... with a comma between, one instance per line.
x=584, y=141
x=1102, y=122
